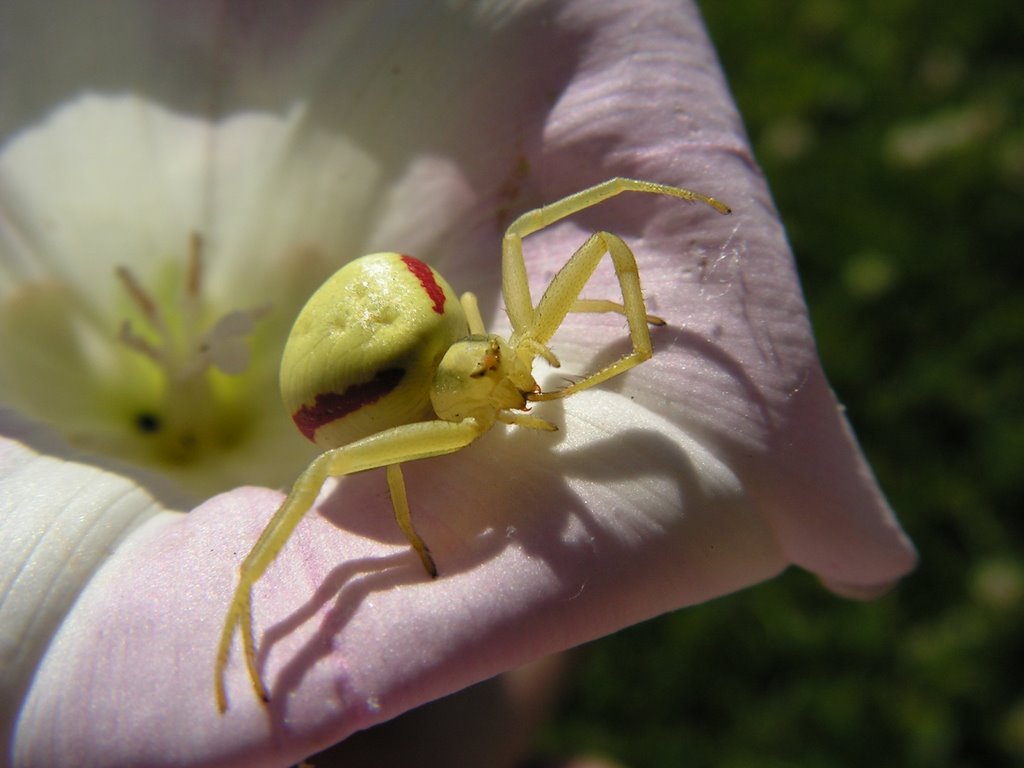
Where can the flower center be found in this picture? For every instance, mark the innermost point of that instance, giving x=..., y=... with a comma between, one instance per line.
x=199, y=408
x=154, y=373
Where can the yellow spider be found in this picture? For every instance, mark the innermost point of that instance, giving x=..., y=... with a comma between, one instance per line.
x=386, y=365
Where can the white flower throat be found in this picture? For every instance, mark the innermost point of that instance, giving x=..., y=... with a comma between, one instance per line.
x=137, y=270
x=164, y=377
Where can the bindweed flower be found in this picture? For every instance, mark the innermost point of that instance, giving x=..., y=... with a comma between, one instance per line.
x=175, y=179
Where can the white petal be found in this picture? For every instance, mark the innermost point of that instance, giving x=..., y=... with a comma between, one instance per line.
x=59, y=522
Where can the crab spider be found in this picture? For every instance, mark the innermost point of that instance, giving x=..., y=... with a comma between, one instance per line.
x=385, y=365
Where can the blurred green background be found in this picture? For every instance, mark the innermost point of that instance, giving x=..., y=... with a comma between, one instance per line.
x=892, y=134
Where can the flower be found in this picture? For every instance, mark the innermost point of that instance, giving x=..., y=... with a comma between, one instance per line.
x=213, y=162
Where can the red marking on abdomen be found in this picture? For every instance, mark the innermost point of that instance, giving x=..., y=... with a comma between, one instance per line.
x=426, y=277
x=332, y=406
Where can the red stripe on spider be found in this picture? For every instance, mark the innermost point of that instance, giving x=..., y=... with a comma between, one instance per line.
x=332, y=406
x=426, y=277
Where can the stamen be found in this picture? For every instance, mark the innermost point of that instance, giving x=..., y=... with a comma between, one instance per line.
x=225, y=345
x=193, y=280
x=192, y=287
x=138, y=294
x=132, y=340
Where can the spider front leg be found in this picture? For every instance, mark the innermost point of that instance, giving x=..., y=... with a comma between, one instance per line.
x=605, y=305
x=385, y=449
x=301, y=497
x=534, y=326
x=561, y=297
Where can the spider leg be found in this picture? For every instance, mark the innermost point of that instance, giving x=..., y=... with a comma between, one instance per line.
x=300, y=499
x=472, y=311
x=400, y=501
x=409, y=442
x=604, y=305
x=532, y=327
x=514, y=284
x=526, y=420
x=562, y=295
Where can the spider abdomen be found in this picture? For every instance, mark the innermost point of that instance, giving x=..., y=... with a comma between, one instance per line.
x=363, y=351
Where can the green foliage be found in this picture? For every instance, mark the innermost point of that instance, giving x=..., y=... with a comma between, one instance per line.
x=893, y=137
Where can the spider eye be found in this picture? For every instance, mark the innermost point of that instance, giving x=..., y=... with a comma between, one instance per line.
x=491, y=360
